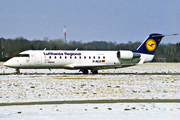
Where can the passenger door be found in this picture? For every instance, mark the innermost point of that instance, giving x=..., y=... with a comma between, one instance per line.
x=38, y=57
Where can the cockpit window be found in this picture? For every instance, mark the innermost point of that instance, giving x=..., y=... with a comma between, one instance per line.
x=25, y=55
x=22, y=55
x=19, y=55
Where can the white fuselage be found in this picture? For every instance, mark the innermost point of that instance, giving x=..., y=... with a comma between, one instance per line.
x=68, y=59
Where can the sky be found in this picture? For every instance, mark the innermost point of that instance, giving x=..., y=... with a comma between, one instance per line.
x=117, y=21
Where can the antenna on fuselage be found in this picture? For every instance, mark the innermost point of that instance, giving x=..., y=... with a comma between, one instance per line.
x=64, y=31
x=44, y=49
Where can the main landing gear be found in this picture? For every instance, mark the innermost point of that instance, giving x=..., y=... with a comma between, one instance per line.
x=94, y=71
x=85, y=71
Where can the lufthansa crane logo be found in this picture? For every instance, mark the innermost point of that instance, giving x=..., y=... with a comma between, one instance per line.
x=151, y=44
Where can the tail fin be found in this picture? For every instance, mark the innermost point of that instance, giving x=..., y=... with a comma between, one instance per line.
x=150, y=45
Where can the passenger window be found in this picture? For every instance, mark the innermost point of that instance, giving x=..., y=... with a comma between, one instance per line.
x=75, y=57
x=84, y=57
x=70, y=57
x=55, y=57
x=49, y=57
x=65, y=57
x=79, y=57
x=89, y=57
x=98, y=57
x=103, y=57
x=60, y=57
x=94, y=57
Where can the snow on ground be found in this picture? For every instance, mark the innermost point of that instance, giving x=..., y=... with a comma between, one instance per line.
x=144, y=68
x=27, y=88
x=106, y=111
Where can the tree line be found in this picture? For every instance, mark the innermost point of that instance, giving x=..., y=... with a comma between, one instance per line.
x=11, y=47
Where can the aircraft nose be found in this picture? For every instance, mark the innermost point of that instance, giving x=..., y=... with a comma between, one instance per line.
x=7, y=64
x=11, y=63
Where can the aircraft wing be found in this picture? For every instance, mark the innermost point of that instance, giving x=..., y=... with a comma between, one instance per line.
x=101, y=66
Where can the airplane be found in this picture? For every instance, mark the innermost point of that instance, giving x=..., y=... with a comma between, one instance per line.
x=86, y=60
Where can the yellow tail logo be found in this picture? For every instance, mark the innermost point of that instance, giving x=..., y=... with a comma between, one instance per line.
x=150, y=45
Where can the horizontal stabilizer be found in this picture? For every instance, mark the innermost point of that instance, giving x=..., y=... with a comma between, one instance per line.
x=163, y=35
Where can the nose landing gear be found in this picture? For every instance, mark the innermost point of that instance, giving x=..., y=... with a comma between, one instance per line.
x=17, y=71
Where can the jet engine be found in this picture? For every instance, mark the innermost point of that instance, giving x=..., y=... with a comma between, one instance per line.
x=128, y=57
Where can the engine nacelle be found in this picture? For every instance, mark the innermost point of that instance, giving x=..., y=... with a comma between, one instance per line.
x=127, y=55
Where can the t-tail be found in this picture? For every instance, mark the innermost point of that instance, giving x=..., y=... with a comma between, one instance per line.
x=149, y=46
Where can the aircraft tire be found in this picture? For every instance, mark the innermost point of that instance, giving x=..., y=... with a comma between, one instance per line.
x=85, y=71
x=94, y=72
x=17, y=71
